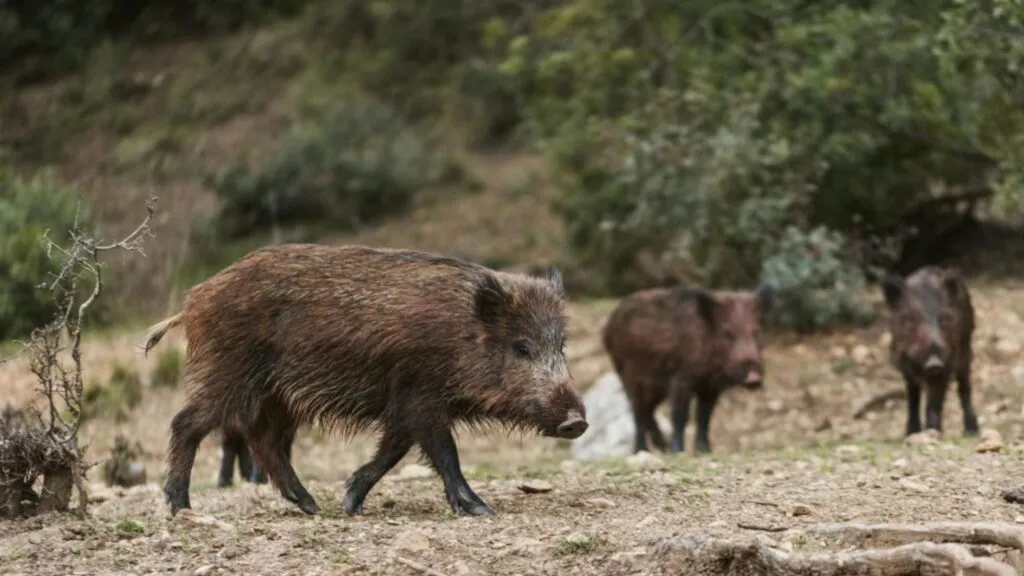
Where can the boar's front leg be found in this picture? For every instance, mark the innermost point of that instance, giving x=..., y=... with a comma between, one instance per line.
x=706, y=401
x=681, y=397
x=913, y=404
x=393, y=446
x=935, y=397
x=963, y=381
x=439, y=447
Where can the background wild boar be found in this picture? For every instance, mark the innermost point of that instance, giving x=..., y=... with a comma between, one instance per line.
x=931, y=325
x=351, y=337
x=680, y=342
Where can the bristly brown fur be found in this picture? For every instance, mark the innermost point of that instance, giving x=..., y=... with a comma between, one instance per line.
x=932, y=316
x=679, y=343
x=355, y=338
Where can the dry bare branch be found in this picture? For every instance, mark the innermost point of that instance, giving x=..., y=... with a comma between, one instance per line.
x=877, y=402
x=50, y=448
x=702, y=555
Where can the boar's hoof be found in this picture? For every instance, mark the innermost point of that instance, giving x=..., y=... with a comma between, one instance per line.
x=572, y=428
x=472, y=509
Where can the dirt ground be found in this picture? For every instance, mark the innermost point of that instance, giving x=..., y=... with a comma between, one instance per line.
x=794, y=445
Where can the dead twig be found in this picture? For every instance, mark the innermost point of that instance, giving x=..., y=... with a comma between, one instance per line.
x=878, y=402
x=761, y=528
x=418, y=567
x=978, y=533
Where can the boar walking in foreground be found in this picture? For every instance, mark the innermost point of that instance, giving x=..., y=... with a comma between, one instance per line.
x=350, y=338
x=233, y=448
x=680, y=343
x=931, y=325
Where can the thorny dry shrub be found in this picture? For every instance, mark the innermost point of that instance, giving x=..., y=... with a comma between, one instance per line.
x=44, y=443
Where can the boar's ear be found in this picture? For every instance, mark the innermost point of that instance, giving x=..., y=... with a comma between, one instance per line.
x=491, y=298
x=892, y=288
x=953, y=282
x=765, y=295
x=707, y=306
x=555, y=277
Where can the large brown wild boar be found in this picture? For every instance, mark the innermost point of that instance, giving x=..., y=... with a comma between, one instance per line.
x=931, y=326
x=680, y=342
x=351, y=337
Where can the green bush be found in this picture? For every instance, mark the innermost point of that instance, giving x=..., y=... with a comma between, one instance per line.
x=355, y=164
x=688, y=137
x=115, y=400
x=816, y=286
x=169, y=364
x=67, y=31
x=28, y=208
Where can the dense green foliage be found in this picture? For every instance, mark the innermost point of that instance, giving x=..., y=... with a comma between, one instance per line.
x=67, y=31
x=707, y=136
x=28, y=208
x=355, y=163
x=700, y=141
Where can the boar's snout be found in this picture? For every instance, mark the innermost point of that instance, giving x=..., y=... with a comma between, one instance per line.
x=573, y=427
x=934, y=365
x=754, y=380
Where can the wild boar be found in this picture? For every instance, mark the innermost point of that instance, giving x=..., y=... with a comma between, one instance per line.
x=351, y=337
x=680, y=342
x=233, y=448
x=931, y=323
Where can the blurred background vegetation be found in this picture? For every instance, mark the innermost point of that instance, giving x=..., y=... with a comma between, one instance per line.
x=634, y=144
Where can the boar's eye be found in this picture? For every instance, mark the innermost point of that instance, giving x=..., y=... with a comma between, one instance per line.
x=522, y=349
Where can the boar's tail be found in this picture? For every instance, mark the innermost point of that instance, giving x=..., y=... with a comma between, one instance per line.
x=157, y=331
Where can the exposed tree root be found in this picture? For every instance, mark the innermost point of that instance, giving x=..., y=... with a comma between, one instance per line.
x=877, y=402
x=702, y=555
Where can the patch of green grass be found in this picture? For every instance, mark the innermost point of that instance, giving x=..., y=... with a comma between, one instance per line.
x=576, y=544
x=130, y=526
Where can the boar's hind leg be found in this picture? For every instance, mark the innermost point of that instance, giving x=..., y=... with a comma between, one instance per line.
x=393, y=446
x=963, y=389
x=188, y=428
x=913, y=404
x=267, y=438
x=258, y=475
x=681, y=398
x=439, y=447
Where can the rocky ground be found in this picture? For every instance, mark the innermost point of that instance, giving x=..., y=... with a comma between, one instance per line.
x=786, y=458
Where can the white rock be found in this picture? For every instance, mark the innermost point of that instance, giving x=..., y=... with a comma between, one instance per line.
x=914, y=485
x=990, y=441
x=860, y=354
x=611, y=430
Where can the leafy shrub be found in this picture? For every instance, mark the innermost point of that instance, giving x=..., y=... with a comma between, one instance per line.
x=355, y=164
x=67, y=31
x=167, y=372
x=122, y=393
x=688, y=137
x=28, y=208
x=816, y=285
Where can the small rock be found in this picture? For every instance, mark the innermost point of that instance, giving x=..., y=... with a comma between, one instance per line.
x=990, y=441
x=414, y=471
x=1007, y=347
x=412, y=541
x=899, y=463
x=601, y=502
x=460, y=568
x=644, y=460
x=914, y=485
x=798, y=510
x=929, y=436
x=1014, y=495
x=536, y=487
x=885, y=339
x=775, y=405
x=629, y=556
x=578, y=539
x=208, y=569
x=1018, y=371
x=860, y=354
x=188, y=515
